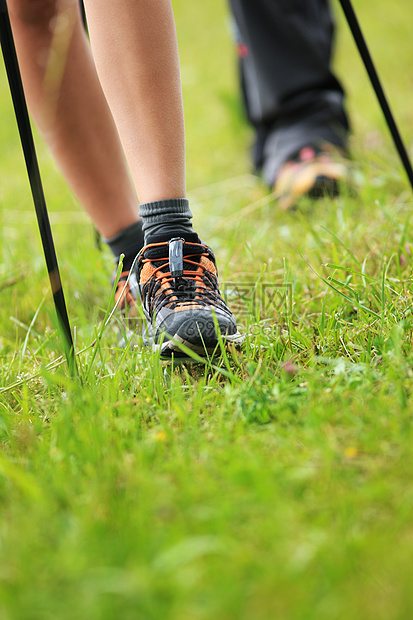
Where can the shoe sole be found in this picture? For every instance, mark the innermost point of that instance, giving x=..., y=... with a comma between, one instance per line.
x=175, y=347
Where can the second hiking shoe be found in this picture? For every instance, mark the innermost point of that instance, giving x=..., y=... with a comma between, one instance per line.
x=180, y=297
x=316, y=171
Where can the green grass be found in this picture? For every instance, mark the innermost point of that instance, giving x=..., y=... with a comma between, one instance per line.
x=274, y=485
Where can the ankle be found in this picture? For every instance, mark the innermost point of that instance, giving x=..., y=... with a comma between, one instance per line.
x=129, y=242
x=166, y=218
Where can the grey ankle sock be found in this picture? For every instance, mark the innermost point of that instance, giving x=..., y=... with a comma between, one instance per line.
x=129, y=242
x=166, y=216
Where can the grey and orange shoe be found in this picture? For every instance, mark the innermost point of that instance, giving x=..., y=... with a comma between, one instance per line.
x=316, y=171
x=178, y=287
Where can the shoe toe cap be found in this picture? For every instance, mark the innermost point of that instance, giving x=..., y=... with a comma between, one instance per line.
x=198, y=327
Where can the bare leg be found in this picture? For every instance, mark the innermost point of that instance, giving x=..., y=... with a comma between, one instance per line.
x=136, y=55
x=68, y=105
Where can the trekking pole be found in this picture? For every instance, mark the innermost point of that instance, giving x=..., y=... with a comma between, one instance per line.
x=374, y=78
x=26, y=137
x=83, y=13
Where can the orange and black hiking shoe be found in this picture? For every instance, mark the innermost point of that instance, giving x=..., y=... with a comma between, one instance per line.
x=126, y=294
x=180, y=297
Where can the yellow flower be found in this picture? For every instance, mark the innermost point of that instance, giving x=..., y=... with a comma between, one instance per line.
x=350, y=452
x=161, y=436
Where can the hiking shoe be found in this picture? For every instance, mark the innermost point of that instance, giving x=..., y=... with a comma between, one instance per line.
x=181, y=301
x=316, y=171
x=126, y=295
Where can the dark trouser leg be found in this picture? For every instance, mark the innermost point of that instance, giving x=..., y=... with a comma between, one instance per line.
x=291, y=96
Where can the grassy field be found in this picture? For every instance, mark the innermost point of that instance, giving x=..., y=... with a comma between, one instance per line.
x=277, y=484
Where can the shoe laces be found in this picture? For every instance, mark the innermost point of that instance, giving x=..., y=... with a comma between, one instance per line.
x=181, y=275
